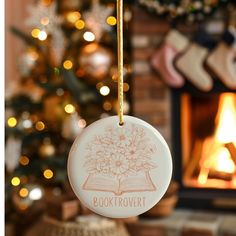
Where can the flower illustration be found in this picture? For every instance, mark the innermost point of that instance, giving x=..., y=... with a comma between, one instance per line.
x=119, y=165
x=120, y=152
x=117, y=157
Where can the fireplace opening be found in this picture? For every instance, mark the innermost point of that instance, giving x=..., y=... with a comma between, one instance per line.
x=204, y=147
x=208, y=133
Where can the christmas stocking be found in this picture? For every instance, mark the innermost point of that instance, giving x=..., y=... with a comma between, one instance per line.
x=191, y=64
x=162, y=60
x=221, y=59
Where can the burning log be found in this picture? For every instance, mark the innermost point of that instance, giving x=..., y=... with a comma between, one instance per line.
x=232, y=150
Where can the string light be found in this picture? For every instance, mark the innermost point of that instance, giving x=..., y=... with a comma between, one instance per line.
x=42, y=35
x=60, y=91
x=82, y=123
x=35, y=33
x=48, y=174
x=72, y=17
x=127, y=15
x=15, y=181
x=24, y=192
x=111, y=20
x=68, y=64
x=27, y=124
x=24, y=160
x=107, y=106
x=126, y=87
x=89, y=36
x=35, y=194
x=69, y=108
x=104, y=90
x=44, y=21
x=40, y=126
x=79, y=24
x=12, y=122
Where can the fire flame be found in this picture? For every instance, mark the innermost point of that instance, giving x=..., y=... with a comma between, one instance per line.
x=216, y=156
x=226, y=119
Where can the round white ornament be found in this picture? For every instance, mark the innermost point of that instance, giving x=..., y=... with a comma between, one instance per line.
x=120, y=171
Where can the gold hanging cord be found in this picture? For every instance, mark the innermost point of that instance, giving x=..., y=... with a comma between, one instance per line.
x=120, y=60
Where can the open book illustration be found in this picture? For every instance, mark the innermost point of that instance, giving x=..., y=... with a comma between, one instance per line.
x=120, y=161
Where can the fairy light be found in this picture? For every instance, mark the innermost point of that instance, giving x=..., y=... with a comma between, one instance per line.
x=15, y=181
x=111, y=20
x=42, y=35
x=24, y=192
x=126, y=87
x=89, y=36
x=12, y=122
x=68, y=64
x=127, y=15
x=73, y=17
x=40, y=126
x=35, y=194
x=104, y=90
x=48, y=174
x=107, y=106
x=69, y=108
x=35, y=33
x=27, y=124
x=82, y=123
x=60, y=91
x=79, y=24
x=24, y=160
x=44, y=21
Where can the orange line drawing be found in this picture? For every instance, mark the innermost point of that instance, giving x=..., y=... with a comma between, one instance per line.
x=119, y=161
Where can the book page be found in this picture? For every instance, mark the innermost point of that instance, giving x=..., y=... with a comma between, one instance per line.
x=137, y=183
x=101, y=183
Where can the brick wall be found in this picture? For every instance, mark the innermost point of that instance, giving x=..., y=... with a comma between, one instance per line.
x=151, y=97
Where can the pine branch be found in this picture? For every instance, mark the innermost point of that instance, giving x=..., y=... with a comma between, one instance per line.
x=27, y=39
x=81, y=92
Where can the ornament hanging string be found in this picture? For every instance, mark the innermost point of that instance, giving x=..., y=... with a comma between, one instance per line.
x=120, y=61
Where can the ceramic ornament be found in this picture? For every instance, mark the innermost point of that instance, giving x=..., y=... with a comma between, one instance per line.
x=117, y=170
x=120, y=166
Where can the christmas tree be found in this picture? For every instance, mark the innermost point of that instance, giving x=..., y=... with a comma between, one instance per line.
x=68, y=80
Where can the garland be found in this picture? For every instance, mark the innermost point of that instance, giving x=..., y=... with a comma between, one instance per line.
x=193, y=9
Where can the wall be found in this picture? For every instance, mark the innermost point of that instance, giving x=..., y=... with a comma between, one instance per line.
x=151, y=97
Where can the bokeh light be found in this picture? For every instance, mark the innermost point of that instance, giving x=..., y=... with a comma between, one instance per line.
x=15, y=181
x=69, y=108
x=126, y=87
x=68, y=64
x=42, y=35
x=82, y=123
x=12, y=122
x=107, y=106
x=36, y=194
x=24, y=192
x=40, y=126
x=111, y=20
x=72, y=17
x=89, y=36
x=104, y=90
x=48, y=174
x=24, y=160
x=79, y=24
x=35, y=33
x=44, y=21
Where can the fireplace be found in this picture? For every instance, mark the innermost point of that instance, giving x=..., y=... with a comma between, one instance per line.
x=204, y=146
